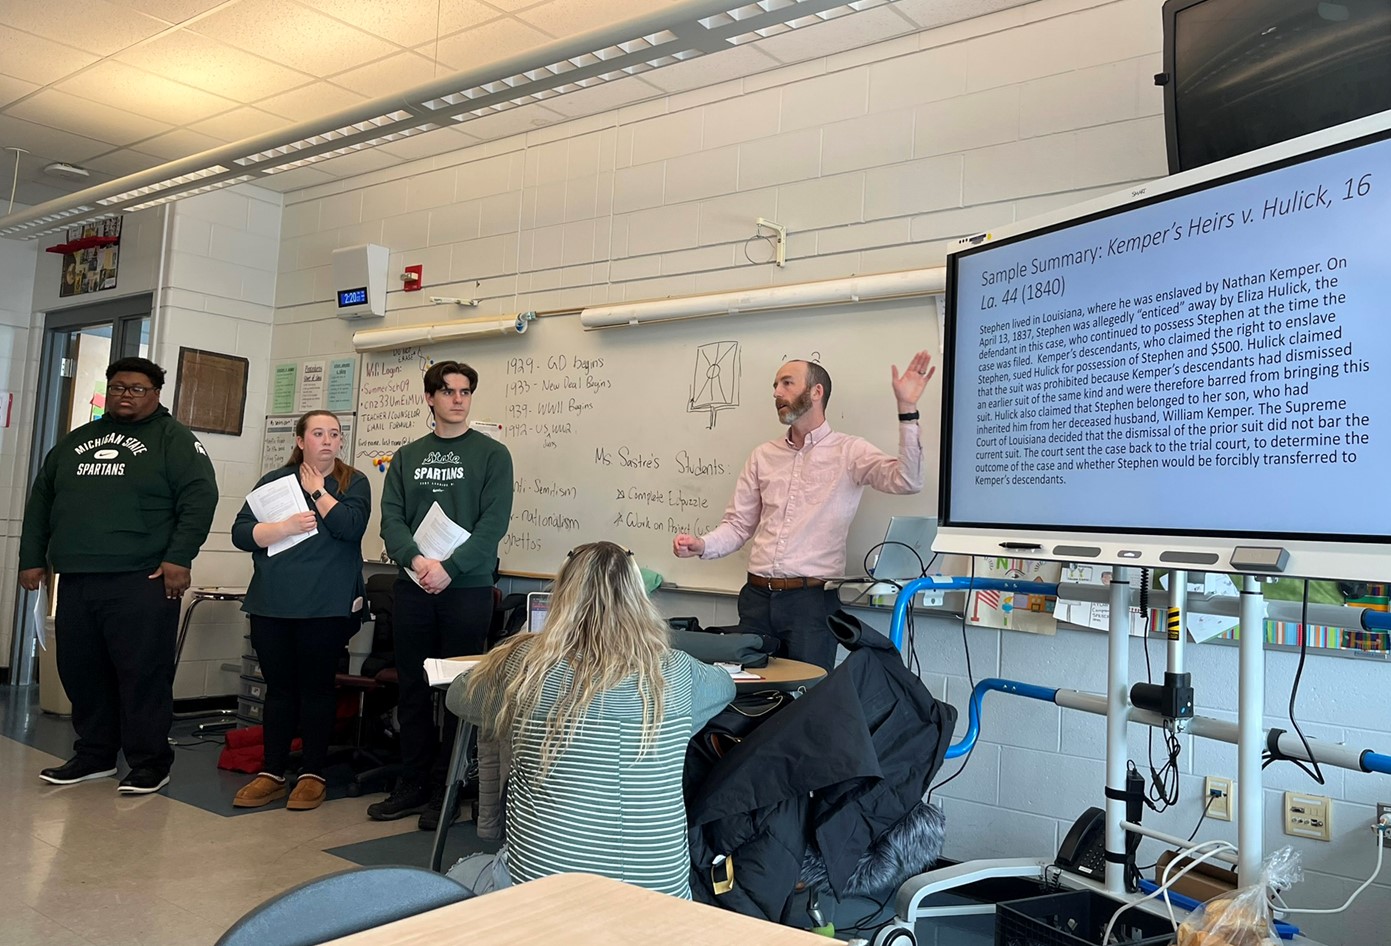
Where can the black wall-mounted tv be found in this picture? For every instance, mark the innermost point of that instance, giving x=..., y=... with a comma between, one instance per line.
x=1243, y=74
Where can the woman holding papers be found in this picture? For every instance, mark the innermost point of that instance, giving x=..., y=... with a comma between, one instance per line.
x=303, y=526
x=598, y=710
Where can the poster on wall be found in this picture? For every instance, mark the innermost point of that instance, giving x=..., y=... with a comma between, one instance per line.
x=279, y=440
x=91, y=267
x=1014, y=611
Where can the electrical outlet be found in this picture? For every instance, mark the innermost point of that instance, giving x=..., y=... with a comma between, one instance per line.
x=1308, y=816
x=1218, y=797
x=1384, y=819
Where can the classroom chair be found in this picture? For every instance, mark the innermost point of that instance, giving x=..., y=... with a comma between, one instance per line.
x=322, y=910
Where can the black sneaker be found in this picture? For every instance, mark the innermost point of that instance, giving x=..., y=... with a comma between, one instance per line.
x=409, y=798
x=143, y=782
x=430, y=817
x=76, y=769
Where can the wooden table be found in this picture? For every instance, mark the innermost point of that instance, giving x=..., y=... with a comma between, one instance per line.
x=580, y=910
x=781, y=674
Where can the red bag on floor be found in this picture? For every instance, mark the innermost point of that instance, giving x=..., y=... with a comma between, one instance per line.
x=246, y=750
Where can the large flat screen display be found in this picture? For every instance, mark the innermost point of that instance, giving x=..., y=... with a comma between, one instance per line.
x=1194, y=373
x=1243, y=74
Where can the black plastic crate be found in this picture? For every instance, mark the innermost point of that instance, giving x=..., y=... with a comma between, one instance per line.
x=1076, y=918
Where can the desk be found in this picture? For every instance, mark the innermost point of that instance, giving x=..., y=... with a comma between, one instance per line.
x=579, y=910
x=779, y=674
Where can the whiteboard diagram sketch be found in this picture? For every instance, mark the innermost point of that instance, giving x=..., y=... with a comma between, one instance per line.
x=715, y=384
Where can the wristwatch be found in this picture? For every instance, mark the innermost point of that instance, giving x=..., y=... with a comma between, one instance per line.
x=317, y=495
x=911, y=415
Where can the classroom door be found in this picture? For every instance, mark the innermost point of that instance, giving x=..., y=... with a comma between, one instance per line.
x=78, y=344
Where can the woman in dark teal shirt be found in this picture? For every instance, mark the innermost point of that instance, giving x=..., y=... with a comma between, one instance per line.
x=304, y=602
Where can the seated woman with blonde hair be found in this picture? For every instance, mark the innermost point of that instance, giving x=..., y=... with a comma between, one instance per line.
x=597, y=711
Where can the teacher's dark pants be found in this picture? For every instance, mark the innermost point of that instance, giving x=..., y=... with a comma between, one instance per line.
x=116, y=634
x=796, y=617
x=453, y=623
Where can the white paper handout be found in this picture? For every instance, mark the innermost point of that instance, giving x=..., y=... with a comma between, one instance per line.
x=277, y=501
x=437, y=537
x=441, y=670
x=39, y=603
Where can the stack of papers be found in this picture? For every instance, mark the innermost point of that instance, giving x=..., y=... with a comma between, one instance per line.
x=277, y=501
x=440, y=671
x=737, y=671
x=437, y=537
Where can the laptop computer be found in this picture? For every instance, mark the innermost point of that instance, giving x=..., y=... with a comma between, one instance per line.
x=538, y=606
x=907, y=550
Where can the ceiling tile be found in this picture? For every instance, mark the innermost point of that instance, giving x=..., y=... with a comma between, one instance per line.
x=406, y=22
x=11, y=89
x=293, y=36
x=98, y=120
x=179, y=143
x=145, y=94
x=491, y=42
x=215, y=67
x=60, y=145
x=34, y=59
x=933, y=13
x=311, y=101
x=244, y=122
x=94, y=25
x=394, y=73
x=122, y=162
x=561, y=18
x=172, y=11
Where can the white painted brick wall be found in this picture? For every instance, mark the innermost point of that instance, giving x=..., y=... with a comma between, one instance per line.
x=876, y=158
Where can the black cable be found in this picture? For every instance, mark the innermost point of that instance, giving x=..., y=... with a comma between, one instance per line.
x=1317, y=772
x=1162, y=790
x=965, y=643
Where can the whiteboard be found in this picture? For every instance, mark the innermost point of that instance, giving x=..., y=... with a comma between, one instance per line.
x=279, y=440
x=635, y=434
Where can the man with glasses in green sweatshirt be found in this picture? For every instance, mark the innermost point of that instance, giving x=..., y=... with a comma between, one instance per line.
x=120, y=508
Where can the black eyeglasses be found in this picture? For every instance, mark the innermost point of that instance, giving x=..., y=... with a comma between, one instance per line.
x=134, y=390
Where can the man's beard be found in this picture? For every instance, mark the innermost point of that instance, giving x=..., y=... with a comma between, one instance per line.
x=794, y=411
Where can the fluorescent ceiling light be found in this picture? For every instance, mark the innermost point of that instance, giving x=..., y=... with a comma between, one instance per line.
x=916, y=282
x=382, y=339
x=676, y=33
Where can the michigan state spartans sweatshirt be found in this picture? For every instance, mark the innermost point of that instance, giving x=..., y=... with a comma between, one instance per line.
x=116, y=497
x=470, y=476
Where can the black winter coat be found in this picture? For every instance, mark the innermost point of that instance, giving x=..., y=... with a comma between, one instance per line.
x=835, y=769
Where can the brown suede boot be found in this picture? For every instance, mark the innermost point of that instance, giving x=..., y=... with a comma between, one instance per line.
x=309, y=793
x=262, y=790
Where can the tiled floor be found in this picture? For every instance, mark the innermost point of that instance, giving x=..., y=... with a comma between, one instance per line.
x=83, y=865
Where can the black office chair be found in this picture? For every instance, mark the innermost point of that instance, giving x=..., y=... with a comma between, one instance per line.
x=378, y=684
x=351, y=901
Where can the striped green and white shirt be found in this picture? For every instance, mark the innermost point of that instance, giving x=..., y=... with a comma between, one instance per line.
x=603, y=808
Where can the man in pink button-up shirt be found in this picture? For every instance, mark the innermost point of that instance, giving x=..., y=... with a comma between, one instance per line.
x=796, y=498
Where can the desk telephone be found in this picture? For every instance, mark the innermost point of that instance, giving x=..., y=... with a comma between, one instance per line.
x=1083, y=850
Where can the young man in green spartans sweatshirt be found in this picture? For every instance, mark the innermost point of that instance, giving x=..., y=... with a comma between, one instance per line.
x=447, y=610
x=120, y=508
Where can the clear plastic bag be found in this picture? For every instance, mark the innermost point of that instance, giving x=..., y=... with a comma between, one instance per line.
x=1243, y=917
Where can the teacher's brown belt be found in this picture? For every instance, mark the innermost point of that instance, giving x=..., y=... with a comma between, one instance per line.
x=784, y=584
